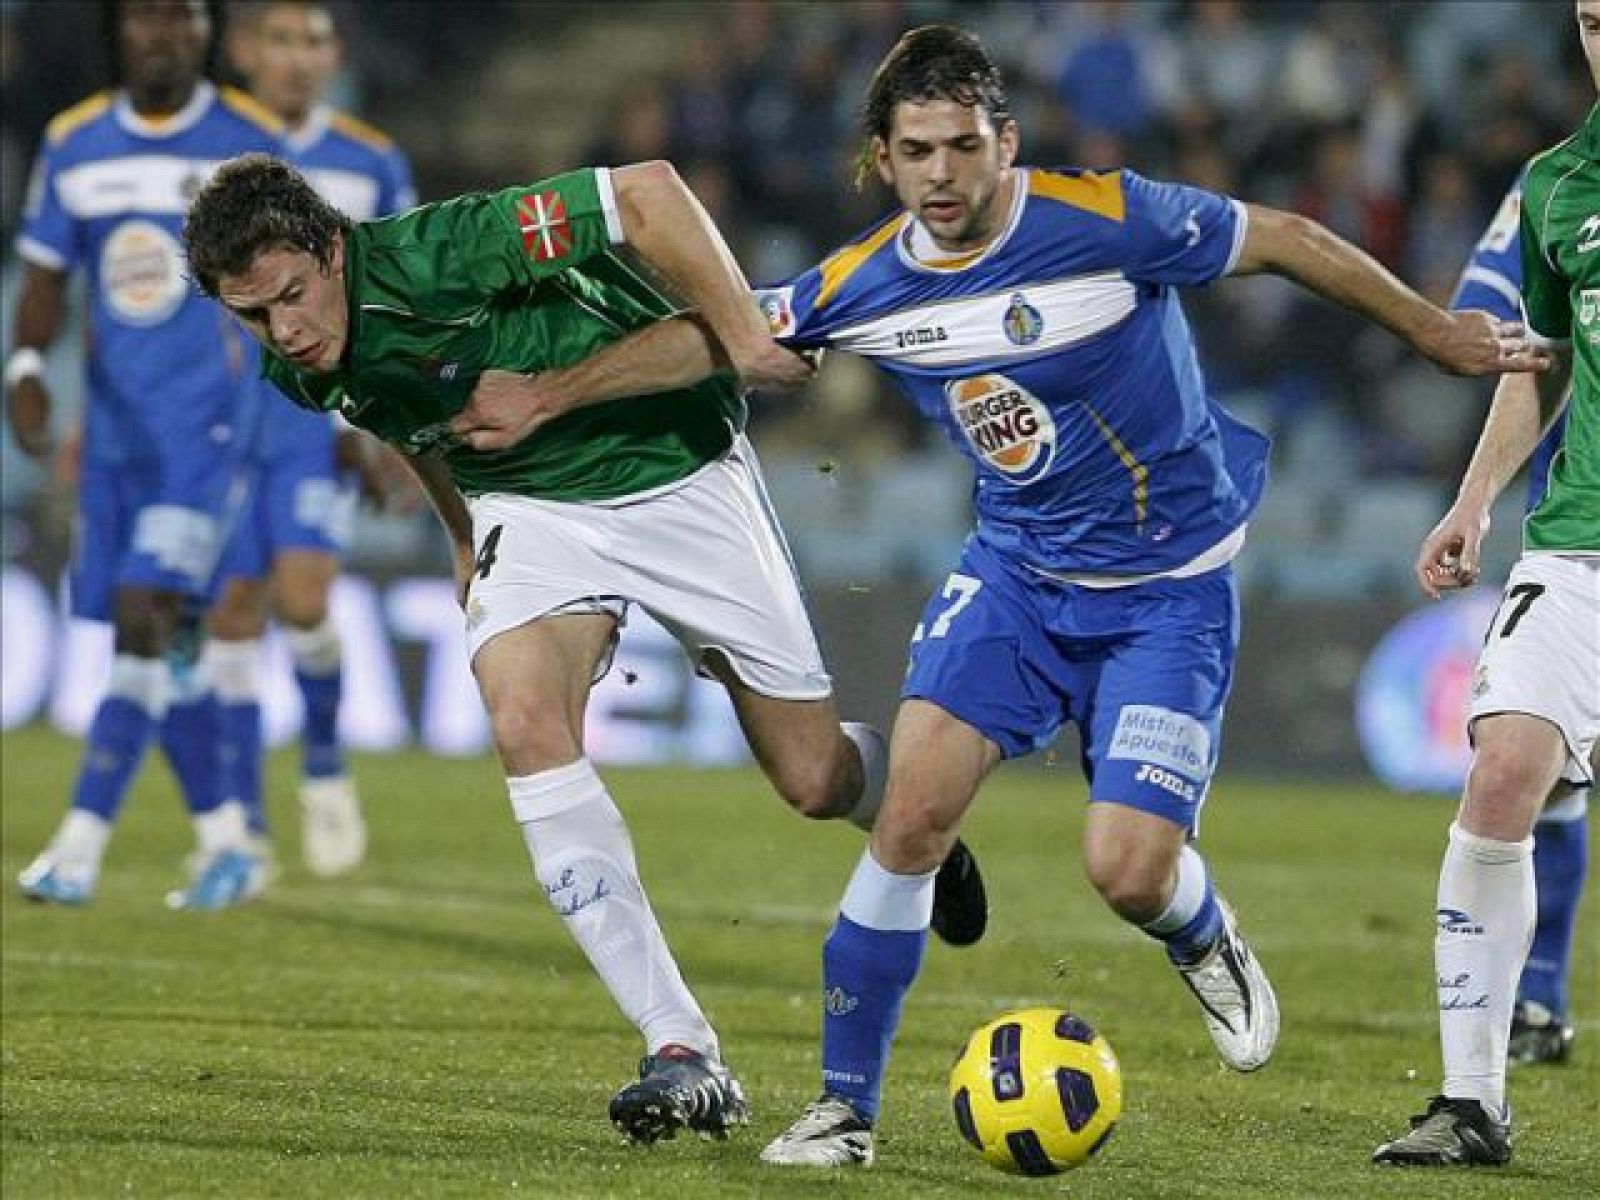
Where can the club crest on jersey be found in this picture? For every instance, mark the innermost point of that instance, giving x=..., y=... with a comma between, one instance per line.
x=542, y=218
x=1009, y=427
x=141, y=272
x=1022, y=321
x=1588, y=306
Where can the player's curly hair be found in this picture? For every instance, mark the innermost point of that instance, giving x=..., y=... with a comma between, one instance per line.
x=932, y=62
x=255, y=203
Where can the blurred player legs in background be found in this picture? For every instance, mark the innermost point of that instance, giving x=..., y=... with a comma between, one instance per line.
x=293, y=539
x=164, y=439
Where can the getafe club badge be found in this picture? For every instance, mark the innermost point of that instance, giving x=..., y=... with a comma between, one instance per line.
x=1023, y=323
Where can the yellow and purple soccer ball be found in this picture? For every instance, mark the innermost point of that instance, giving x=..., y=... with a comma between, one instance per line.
x=1036, y=1092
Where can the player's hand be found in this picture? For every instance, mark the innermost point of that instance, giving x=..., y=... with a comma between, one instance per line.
x=1450, y=556
x=1479, y=343
x=773, y=368
x=505, y=407
x=28, y=406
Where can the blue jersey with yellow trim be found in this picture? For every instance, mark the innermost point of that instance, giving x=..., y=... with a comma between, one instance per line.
x=1492, y=281
x=364, y=175
x=169, y=373
x=1059, y=360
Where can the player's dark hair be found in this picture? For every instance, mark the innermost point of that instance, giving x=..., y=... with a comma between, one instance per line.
x=111, y=37
x=253, y=204
x=932, y=62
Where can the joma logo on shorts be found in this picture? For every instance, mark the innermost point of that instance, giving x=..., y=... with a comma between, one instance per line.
x=1166, y=781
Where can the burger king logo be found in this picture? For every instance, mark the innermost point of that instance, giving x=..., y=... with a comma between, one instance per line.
x=1009, y=428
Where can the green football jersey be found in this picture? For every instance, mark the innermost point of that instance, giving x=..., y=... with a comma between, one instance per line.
x=520, y=280
x=1561, y=294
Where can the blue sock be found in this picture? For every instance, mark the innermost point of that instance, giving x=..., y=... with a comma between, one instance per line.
x=239, y=737
x=319, y=738
x=1560, y=862
x=868, y=964
x=123, y=727
x=189, y=736
x=865, y=976
x=1192, y=922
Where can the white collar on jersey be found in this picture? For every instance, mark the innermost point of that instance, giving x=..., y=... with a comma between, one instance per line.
x=918, y=250
x=298, y=141
x=165, y=127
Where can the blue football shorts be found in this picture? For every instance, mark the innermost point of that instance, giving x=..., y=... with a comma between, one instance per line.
x=300, y=502
x=153, y=524
x=1143, y=672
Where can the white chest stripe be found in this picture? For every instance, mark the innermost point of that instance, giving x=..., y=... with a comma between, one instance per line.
x=1014, y=323
x=145, y=183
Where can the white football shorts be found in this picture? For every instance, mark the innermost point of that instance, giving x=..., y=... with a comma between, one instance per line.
x=705, y=558
x=1542, y=653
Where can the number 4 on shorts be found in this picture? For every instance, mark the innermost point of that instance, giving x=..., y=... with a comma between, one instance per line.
x=487, y=553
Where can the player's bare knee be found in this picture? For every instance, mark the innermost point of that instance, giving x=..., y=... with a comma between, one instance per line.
x=529, y=739
x=1504, y=793
x=815, y=786
x=1133, y=885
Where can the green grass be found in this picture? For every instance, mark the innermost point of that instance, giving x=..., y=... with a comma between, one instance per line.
x=425, y=1029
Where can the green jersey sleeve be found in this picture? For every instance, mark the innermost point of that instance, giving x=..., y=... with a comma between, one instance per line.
x=516, y=237
x=1546, y=294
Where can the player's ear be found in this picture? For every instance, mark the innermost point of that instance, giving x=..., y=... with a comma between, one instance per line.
x=1010, y=139
x=880, y=158
x=336, y=256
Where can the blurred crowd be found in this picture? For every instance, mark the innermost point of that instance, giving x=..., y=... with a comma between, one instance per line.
x=1399, y=125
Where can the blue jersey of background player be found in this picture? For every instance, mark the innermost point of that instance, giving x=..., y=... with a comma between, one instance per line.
x=304, y=502
x=170, y=386
x=1541, y=1024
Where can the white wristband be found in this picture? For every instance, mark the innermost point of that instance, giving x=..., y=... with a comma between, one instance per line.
x=25, y=363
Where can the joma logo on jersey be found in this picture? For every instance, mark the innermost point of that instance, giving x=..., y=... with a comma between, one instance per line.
x=1009, y=427
x=929, y=335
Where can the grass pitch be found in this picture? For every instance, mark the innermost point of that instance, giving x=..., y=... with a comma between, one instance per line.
x=424, y=1028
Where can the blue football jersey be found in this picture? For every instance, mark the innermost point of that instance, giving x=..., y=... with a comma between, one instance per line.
x=1492, y=281
x=169, y=373
x=1059, y=360
x=364, y=175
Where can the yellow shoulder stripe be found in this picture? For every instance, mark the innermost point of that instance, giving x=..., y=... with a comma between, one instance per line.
x=251, y=109
x=361, y=131
x=81, y=113
x=1096, y=193
x=842, y=264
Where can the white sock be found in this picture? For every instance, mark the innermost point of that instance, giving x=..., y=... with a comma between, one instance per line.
x=223, y=828
x=1188, y=894
x=1486, y=915
x=874, y=751
x=316, y=651
x=233, y=669
x=583, y=857
x=877, y=898
x=80, y=842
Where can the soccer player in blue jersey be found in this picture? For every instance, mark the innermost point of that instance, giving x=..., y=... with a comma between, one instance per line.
x=1032, y=314
x=1541, y=1023
x=169, y=381
x=307, y=473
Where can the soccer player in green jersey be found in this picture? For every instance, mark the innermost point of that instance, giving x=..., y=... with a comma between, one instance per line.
x=1535, y=716
x=396, y=324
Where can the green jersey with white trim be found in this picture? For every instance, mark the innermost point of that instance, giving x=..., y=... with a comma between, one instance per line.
x=1561, y=296
x=524, y=280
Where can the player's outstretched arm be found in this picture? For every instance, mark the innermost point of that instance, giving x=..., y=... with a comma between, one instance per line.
x=1462, y=343
x=1524, y=407
x=39, y=311
x=666, y=225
